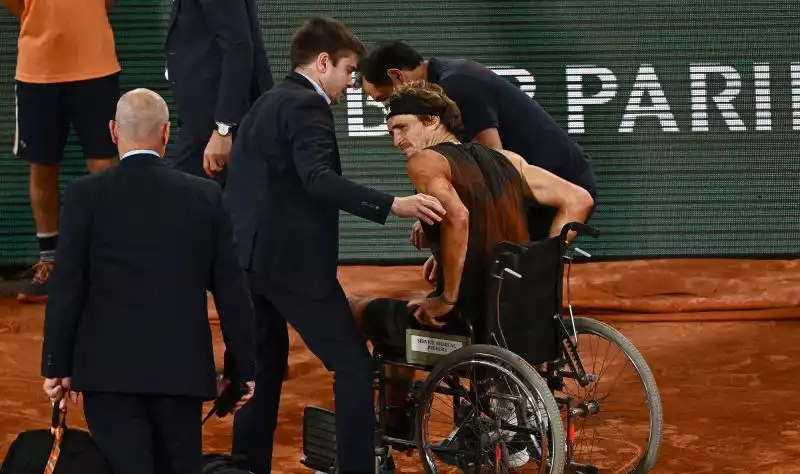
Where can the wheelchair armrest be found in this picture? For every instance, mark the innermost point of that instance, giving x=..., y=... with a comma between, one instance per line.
x=580, y=229
x=468, y=324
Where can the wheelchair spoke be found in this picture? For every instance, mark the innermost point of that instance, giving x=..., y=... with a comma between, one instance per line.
x=614, y=430
x=499, y=426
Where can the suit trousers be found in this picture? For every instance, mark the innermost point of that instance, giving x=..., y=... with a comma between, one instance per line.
x=186, y=154
x=328, y=328
x=144, y=434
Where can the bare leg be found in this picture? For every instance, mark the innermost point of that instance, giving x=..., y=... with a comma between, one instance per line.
x=44, y=195
x=397, y=390
x=102, y=164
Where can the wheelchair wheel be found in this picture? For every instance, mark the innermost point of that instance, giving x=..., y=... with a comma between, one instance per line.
x=609, y=429
x=484, y=409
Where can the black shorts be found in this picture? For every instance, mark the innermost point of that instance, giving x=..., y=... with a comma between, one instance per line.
x=46, y=111
x=386, y=321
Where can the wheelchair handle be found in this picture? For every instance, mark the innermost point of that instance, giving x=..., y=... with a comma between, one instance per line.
x=580, y=229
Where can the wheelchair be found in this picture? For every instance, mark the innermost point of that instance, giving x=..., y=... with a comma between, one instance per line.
x=521, y=392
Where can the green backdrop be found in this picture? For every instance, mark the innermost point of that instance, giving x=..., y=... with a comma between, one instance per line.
x=690, y=110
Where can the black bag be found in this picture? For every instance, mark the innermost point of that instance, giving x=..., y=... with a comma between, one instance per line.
x=224, y=464
x=73, y=451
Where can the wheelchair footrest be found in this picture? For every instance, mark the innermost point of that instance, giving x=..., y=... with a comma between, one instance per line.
x=319, y=439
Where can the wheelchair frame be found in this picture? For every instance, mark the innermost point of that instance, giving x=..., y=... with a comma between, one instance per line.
x=568, y=356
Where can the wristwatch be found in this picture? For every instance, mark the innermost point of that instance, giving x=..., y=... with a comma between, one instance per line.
x=224, y=129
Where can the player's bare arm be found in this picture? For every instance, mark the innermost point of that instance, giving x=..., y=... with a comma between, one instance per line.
x=573, y=203
x=430, y=174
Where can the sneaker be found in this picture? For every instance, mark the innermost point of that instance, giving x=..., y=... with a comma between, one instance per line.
x=516, y=458
x=36, y=289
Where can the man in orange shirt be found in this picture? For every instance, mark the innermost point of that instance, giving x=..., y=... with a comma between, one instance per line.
x=67, y=74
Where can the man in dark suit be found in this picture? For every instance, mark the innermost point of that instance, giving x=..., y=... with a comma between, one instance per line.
x=285, y=193
x=217, y=67
x=126, y=323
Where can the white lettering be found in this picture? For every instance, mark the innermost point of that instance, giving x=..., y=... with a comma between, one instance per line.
x=434, y=346
x=575, y=98
x=527, y=83
x=761, y=89
x=647, y=82
x=356, y=101
x=646, y=99
x=733, y=84
x=795, y=96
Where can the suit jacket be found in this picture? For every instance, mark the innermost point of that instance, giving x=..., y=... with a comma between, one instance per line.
x=127, y=311
x=285, y=189
x=216, y=61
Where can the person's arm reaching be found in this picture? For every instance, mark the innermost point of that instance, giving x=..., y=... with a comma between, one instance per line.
x=572, y=202
x=478, y=109
x=310, y=130
x=430, y=174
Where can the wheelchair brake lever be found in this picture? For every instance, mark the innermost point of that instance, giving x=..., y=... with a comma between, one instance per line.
x=512, y=273
x=585, y=254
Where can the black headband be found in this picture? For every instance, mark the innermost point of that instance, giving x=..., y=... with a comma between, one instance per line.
x=412, y=105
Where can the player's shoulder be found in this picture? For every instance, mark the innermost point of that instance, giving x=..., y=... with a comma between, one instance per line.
x=428, y=161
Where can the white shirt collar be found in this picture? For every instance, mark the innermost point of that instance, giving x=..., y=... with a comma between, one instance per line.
x=317, y=87
x=139, y=152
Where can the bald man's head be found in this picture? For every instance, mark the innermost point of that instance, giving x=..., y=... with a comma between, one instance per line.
x=141, y=121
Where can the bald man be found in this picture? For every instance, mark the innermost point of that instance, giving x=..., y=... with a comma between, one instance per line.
x=126, y=325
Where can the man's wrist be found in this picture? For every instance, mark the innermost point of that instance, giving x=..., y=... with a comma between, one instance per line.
x=448, y=298
x=223, y=128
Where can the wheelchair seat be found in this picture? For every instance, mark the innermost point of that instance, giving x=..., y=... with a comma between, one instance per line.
x=521, y=303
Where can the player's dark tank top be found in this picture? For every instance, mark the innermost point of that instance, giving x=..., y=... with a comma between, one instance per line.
x=492, y=191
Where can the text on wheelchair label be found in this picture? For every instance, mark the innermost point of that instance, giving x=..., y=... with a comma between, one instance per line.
x=434, y=346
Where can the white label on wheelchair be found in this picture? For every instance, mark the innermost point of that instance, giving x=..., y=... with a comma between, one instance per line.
x=434, y=346
x=424, y=347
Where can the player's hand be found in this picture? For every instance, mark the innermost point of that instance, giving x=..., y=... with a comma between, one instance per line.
x=429, y=311
x=418, y=236
x=217, y=153
x=426, y=208
x=429, y=270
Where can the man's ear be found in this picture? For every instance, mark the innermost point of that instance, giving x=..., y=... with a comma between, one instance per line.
x=112, y=129
x=397, y=76
x=323, y=62
x=165, y=133
x=432, y=121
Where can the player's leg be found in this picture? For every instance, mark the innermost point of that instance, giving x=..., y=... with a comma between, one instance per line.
x=42, y=127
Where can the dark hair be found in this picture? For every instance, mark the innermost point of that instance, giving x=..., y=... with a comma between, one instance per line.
x=385, y=56
x=323, y=35
x=433, y=96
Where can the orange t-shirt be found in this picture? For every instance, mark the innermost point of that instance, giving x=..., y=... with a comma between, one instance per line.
x=65, y=41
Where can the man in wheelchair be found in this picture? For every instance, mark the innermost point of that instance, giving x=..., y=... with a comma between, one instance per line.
x=484, y=192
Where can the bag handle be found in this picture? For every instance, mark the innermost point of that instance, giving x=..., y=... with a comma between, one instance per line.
x=59, y=417
x=57, y=427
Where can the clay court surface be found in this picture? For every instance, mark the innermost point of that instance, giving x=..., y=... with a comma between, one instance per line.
x=721, y=336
